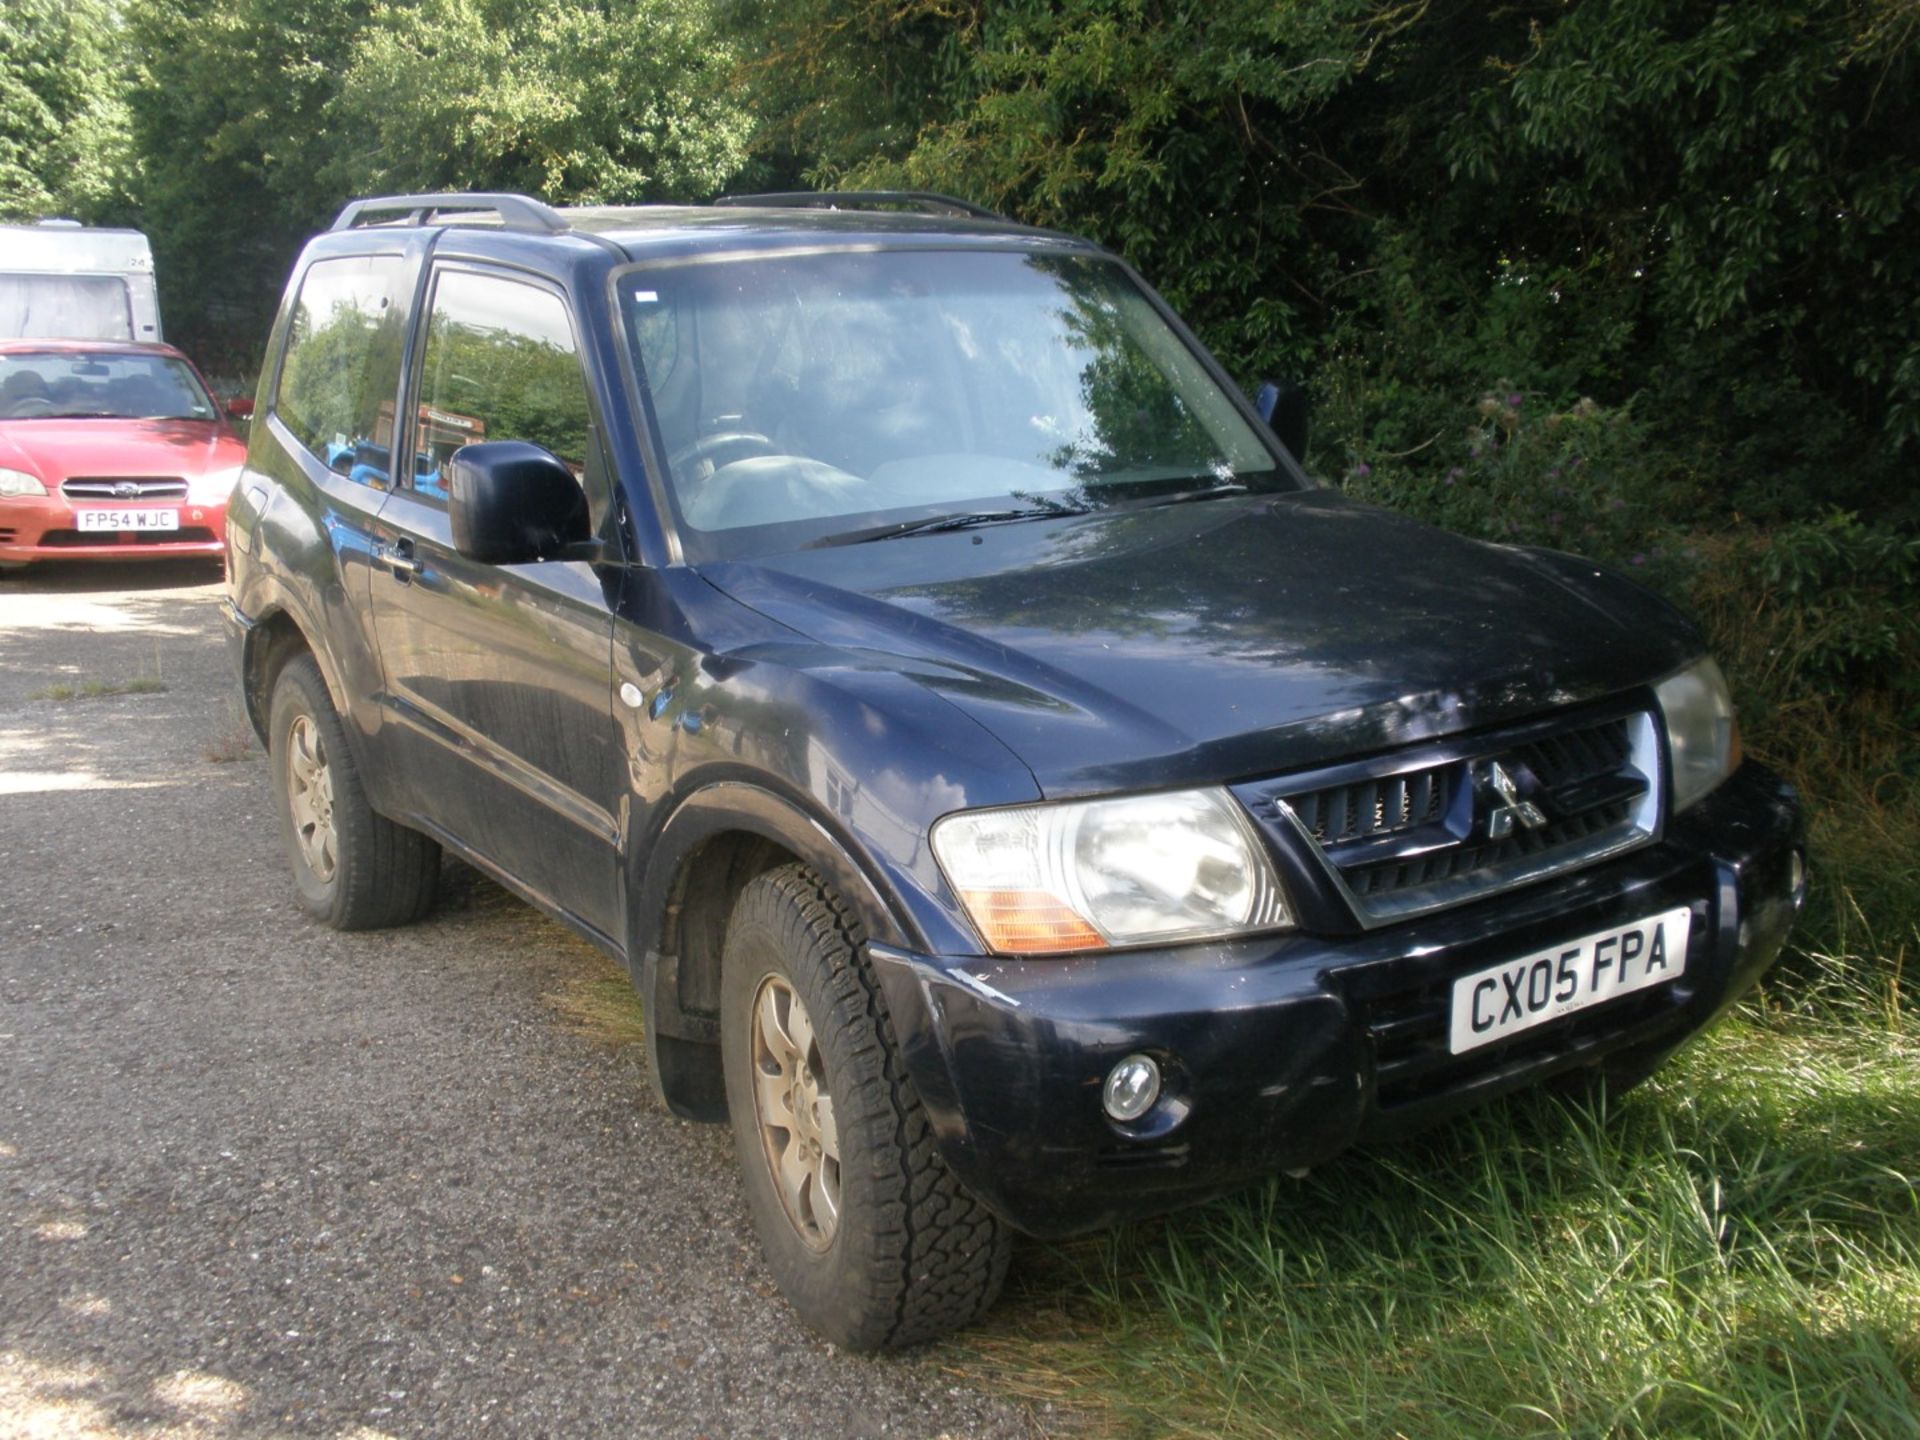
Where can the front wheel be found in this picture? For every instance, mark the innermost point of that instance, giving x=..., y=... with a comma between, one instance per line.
x=868, y=1234
x=352, y=868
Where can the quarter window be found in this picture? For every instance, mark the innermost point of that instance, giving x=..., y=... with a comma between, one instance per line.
x=344, y=344
x=500, y=364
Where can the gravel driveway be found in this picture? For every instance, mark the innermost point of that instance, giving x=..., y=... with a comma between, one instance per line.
x=258, y=1178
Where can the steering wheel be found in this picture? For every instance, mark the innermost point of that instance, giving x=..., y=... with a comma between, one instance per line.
x=723, y=442
x=30, y=407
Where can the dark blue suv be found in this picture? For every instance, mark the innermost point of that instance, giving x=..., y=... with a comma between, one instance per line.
x=1021, y=797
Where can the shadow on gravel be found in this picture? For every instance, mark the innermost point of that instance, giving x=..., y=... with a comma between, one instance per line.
x=113, y=575
x=78, y=1400
x=189, y=616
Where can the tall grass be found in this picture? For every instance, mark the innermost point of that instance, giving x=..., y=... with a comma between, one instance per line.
x=1731, y=1251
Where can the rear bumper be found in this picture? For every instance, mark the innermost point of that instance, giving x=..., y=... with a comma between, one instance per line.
x=47, y=528
x=1281, y=1052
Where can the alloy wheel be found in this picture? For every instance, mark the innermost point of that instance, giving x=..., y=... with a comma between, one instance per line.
x=310, y=797
x=795, y=1112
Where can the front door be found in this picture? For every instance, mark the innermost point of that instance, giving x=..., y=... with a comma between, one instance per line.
x=499, y=677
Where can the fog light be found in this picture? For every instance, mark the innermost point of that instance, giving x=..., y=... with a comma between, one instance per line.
x=1132, y=1087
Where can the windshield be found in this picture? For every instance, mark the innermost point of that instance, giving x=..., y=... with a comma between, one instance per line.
x=810, y=399
x=55, y=384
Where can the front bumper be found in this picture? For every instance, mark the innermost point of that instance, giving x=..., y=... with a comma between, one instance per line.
x=36, y=527
x=1280, y=1052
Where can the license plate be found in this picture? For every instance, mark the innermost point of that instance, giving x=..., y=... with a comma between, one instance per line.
x=1516, y=995
x=128, y=519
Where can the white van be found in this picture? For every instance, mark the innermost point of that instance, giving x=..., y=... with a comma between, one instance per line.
x=60, y=280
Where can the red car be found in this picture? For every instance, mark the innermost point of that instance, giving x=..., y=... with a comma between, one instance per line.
x=111, y=450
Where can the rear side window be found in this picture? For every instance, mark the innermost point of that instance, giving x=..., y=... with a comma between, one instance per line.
x=344, y=345
x=500, y=364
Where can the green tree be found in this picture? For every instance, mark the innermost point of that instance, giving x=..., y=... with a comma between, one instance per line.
x=1702, y=204
x=65, y=147
x=258, y=119
x=230, y=120
x=569, y=100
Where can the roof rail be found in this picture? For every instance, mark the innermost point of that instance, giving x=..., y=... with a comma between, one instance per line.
x=517, y=212
x=925, y=201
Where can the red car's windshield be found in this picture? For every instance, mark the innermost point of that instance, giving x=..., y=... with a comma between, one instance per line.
x=51, y=384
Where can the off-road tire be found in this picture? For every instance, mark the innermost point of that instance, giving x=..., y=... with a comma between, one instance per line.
x=383, y=874
x=914, y=1255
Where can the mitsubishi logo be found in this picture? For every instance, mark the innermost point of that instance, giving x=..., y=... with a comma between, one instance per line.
x=1502, y=817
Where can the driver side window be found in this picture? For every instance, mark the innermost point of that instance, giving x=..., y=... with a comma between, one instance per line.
x=499, y=363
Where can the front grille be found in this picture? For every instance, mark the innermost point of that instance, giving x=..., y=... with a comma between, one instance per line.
x=1374, y=807
x=1393, y=876
x=186, y=535
x=1408, y=1027
x=1143, y=1157
x=105, y=487
x=1442, y=823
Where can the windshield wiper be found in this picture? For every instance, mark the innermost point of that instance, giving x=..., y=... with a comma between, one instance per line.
x=937, y=523
x=1201, y=492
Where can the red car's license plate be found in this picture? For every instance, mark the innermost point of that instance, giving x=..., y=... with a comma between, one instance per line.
x=128, y=519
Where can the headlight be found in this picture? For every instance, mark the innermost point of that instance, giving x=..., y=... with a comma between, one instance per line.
x=1702, y=736
x=1092, y=875
x=213, y=488
x=19, y=482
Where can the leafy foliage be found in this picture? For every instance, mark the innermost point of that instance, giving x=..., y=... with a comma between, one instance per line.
x=229, y=102
x=64, y=147
x=1702, y=202
x=575, y=102
x=258, y=119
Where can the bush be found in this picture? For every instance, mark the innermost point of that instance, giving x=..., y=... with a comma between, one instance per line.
x=1817, y=621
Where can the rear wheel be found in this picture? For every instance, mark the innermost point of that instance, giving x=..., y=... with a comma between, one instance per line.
x=866, y=1231
x=352, y=869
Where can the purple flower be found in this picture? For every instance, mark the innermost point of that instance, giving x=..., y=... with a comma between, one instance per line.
x=1638, y=560
x=1362, y=470
x=1513, y=400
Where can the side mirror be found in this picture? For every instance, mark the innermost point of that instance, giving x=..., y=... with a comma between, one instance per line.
x=1283, y=405
x=511, y=502
x=240, y=407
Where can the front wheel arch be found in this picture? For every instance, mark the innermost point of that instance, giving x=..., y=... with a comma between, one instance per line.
x=714, y=844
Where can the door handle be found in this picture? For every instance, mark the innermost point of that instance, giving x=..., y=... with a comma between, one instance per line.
x=398, y=558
